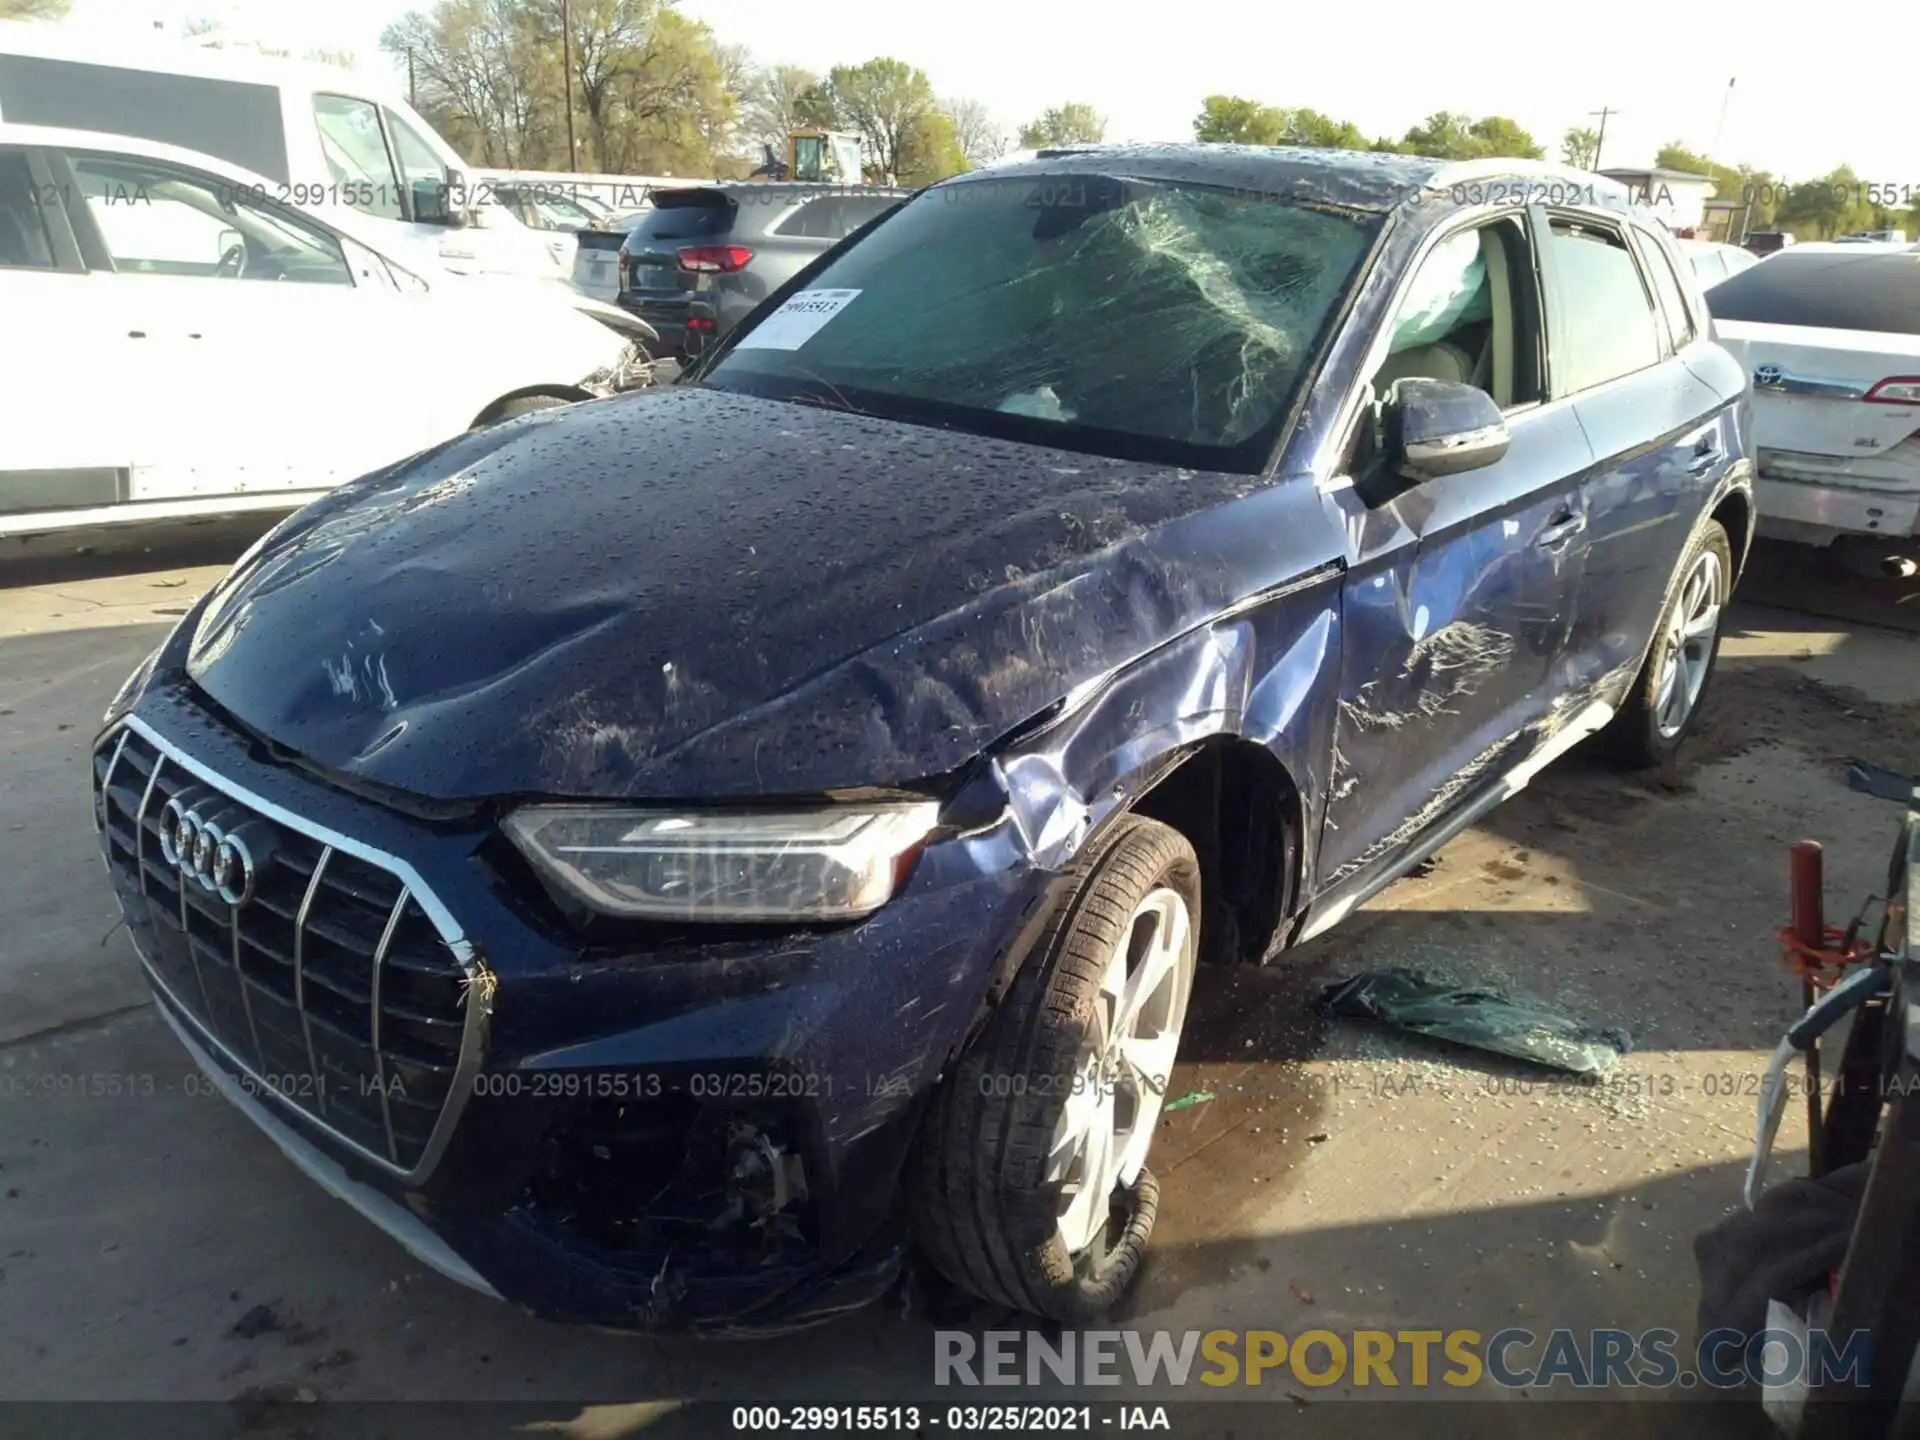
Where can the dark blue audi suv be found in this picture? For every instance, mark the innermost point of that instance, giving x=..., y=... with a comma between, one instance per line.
x=664, y=858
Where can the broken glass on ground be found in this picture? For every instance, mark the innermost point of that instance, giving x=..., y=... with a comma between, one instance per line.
x=1482, y=1019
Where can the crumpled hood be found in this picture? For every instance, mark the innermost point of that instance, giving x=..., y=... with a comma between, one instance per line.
x=685, y=593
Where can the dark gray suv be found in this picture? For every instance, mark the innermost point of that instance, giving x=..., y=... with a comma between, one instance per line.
x=703, y=257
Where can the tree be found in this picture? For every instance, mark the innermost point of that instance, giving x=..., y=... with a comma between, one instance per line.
x=783, y=98
x=1235, y=120
x=1443, y=134
x=1310, y=127
x=932, y=151
x=1074, y=123
x=978, y=134
x=1247, y=122
x=486, y=80
x=1497, y=135
x=1675, y=156
x=1580, y=147
x=883, y=100
x=1831, y=205
x=34, y=9
x=1450, y=135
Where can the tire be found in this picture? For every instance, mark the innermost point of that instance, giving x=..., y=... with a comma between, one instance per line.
x=525, y=405
x=992, y=1180
x=1654, y=721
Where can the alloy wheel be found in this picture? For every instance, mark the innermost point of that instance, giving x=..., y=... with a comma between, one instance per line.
x=1687, y=645
x=1105, y=1128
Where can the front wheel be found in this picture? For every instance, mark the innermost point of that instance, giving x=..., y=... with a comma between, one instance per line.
x=1031, y=1188
x=1665, y=699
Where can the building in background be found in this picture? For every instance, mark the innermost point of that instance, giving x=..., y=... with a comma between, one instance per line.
x=1678, y=198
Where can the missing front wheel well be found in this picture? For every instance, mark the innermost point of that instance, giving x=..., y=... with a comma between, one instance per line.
x=1240, y=811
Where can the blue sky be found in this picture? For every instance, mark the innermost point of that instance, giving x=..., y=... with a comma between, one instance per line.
x=1807, y=99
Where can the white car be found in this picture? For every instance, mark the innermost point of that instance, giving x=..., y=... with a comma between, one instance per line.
x=176, y=342
x=1830, y=335
x=318, y=136
x=1713, y=262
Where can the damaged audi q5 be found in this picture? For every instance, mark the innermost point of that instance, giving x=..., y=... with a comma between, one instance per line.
x=663, y=859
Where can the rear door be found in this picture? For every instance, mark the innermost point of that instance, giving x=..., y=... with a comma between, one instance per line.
x=1831, y=341
x=256, y=361
x=62, y=349
x=1626, y=350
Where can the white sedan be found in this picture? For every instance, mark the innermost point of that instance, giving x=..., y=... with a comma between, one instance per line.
x=178, y=343
x=1830, y=335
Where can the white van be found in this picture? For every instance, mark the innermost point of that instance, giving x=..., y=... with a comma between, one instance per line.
x=322, y=136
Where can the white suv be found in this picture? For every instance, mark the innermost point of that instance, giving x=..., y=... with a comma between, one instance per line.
x=178, y=342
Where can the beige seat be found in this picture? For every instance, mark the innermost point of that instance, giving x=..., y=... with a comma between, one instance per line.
x=1438, y=361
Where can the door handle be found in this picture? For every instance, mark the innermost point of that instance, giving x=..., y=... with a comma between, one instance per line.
x=1564, y=527
x=1705, y=453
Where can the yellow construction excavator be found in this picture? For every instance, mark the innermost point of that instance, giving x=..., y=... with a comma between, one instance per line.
x=820, y=157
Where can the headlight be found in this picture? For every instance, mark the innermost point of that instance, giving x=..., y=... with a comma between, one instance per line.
x=831, y=863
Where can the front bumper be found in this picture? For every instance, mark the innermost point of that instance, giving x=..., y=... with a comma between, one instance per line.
x=668, y=1133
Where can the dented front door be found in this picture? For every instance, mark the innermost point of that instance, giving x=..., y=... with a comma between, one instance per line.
x=1452, y=628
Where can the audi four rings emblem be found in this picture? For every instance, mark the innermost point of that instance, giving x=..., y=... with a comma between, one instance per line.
x=214, y=843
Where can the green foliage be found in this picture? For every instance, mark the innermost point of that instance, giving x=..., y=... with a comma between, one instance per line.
x=1580, y=147
x=933, y=150
x=1075, y=123
x=1451, y=135
x=34, y=9
x=1235, y=120
x=1247, y=122
x=883, y=100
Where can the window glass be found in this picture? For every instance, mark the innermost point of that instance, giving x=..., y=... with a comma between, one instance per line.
x=820, y=219
x=859, y=209
x=1876, y=290
x=1708, y=267
x=1667, y=285
x=420, y=164
x=1605, y=321
x=236, y=122
x=159, y=220
x=357, y=155
x=23, y=227
x=1125, y=316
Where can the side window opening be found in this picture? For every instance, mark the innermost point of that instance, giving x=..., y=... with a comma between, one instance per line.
x=357, y=154
x=24, y=243
x=1666, y=282
x=420, y=164
x=818, y=219
x=1604, y=323
x=1471, y=317
x=155, y=219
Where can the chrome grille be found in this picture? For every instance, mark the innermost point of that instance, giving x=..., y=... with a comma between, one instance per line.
x=332, y=988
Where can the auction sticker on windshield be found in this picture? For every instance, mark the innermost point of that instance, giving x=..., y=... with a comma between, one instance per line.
x=797, y=321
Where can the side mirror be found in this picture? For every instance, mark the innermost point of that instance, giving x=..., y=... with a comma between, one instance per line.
x=430, y=202
x=1433, y=428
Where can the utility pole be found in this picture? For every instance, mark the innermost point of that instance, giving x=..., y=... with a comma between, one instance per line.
x=1600, y=140
x=566, y=63
x=1727, y=99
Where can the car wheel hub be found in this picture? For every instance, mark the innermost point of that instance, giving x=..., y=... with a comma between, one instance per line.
x=1101, y=1139
x=1687, y=646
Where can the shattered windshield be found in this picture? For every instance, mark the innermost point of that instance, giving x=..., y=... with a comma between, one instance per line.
x=1130, y=317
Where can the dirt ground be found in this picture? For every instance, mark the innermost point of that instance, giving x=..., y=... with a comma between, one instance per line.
x=1338, y=1176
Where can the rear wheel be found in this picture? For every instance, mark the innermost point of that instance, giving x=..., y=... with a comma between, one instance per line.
x=1031, y=1188
x=1665, y=699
